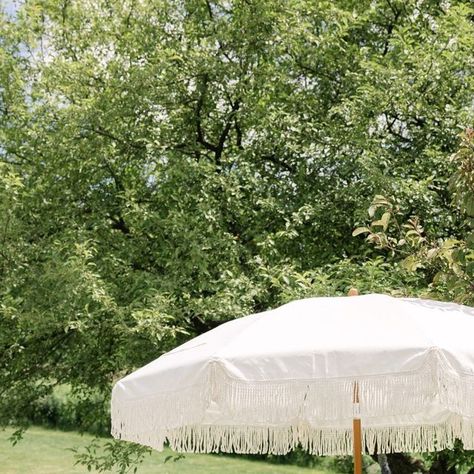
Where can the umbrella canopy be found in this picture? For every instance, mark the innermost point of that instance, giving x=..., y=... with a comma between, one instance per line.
x=287, y=377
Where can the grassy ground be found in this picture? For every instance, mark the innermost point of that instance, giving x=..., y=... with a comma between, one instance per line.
x=44, y=451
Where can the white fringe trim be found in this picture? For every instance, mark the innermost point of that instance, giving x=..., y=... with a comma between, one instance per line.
x=279, y=416
x=319, y=442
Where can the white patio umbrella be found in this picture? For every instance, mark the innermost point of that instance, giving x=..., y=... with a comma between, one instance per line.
x=269, y=382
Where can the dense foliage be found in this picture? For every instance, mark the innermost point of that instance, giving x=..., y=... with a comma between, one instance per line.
x=449, y=262
x=168, y=165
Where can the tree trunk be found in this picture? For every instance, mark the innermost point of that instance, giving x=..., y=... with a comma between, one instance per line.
x=383, y=462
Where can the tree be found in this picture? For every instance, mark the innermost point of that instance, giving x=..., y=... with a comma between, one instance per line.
x=170, y=165
x=448, y=263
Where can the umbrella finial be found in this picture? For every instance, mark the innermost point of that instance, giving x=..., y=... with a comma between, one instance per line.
x=353, y=292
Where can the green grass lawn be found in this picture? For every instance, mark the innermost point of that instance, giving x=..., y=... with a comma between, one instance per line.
x=44, y=451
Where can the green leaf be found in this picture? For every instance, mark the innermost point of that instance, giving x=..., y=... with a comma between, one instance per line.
x=360, y=230
x=385, y=219
x=412, y=263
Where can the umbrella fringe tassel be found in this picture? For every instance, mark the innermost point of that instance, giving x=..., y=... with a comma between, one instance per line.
x=279, y=441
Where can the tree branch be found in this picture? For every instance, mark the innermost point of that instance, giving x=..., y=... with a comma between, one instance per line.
x=226, y=130
x=200, y=102
x=273, y=159
x=105, y=133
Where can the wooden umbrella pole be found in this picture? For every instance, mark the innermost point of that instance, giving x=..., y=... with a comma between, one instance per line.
x=357, y=432
x=356, y=424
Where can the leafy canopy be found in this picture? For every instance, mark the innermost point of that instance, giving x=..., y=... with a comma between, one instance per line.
x=169, y=165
